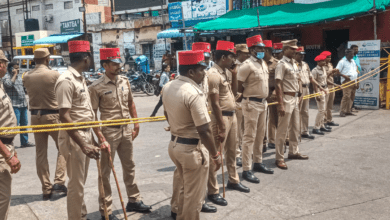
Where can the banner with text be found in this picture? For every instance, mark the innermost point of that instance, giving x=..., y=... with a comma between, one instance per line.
x=367, y=96
x=159, y=50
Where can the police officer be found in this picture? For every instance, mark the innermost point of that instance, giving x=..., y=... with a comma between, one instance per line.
x=9, y=163
x=253, y=84
x=242, y=54
x=287, y=91
x=77, y=146
x=40, y=84
x=330, y=72
x=111, y=94
x=222, y=90
x=272, y=109
x=192, y=140
x=319, y=74
x=278, y=51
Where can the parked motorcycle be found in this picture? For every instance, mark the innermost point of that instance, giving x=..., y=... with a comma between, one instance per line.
x=139, y=82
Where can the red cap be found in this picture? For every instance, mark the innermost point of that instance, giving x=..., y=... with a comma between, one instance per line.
x=326, y=53
x=268, y=43
x=255, y=41
x=226, y=45
x=78, y=46
x=278, y=46
x=191, y=58
x=320, y=58
x=301, y=49
x=205, y=47
x=111, y=54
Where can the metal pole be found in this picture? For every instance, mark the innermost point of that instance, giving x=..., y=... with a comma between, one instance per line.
x=184, y=27
x=258, y=17
x=85, y=22
x=112, y=10
x=375, y=35
x=26, y=10
x=163, y=22
x=10, y=31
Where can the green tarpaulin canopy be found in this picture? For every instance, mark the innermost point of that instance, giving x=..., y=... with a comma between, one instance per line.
x=291, y=14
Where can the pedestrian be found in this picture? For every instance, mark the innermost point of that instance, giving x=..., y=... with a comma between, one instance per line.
x=39, y=84
x=330, y=72
x=348, y=71
x=242, y=54
x=111, y=95
x=164, y=79
x=278, y=51
x=272, y=109
x=9, y=162
x=253, y=84
x=287, y=91
x=319, y=74
x=13, y=85
x=77, y=146
x=191, y=141
x=222, y=91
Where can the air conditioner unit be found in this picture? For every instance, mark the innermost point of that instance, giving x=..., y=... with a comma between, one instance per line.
x=49, y=18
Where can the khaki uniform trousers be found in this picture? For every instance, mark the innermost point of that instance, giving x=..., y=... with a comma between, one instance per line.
x=321, y=105
x=290, y=123
x=240, y=130
x=229, y=148
x=41, y=142
x=272, y=123
x=77, y=164
x=255, y=114
x=348, y=97
x=5, y=185
x=304, y=112
x=189, y=179
x=329, y=105
x=120, y=140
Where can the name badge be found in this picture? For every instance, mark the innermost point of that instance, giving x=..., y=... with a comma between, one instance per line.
x=109, y=92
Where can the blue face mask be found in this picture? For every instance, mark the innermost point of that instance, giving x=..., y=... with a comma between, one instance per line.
x=260, y=55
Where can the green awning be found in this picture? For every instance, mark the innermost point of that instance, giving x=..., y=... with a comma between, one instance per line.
x=291, y=14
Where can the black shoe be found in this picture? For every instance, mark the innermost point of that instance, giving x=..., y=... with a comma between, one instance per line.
x=138, y=207
x=248, y=176
x=46, y=197
x=332, y=124
x=317, y=131
x=308, y=136
x=239, y=161
x=60, y=188
x=110, y=217
x=217, y=199
x=238, y=187
x=173, y=215
x=325, y=129
x=260, y=167
x=151, y=116
x=271, y=146
x=208, y=208
x=29, y=144
x=264, y=148
x=328, y=127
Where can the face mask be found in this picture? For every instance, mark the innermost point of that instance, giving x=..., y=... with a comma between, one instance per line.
x=260, y=55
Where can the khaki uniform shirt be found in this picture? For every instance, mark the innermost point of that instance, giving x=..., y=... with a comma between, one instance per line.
x=272, y=63
x=111, y=97
x=7, y=114
x=329, y=68
x=185, y=104
x=220, y=83
x=40, y=84
x=319, y=74
x=255, y=78
x=288, y=72
x=72, y=92
x=304, y=71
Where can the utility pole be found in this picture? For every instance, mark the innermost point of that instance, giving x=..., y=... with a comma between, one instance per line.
x=112, y=10
x=10, y=31
x=26, y=10
x=85, y=22
x=184, y=27
x=163, y=22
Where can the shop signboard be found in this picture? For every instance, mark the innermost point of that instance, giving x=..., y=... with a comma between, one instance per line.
x=27, y=40
x=367, y=95
x=96, y=44
x=70, y=26
x=309, y=1
x=197, y=9
x=275, y=2
x=158, y=53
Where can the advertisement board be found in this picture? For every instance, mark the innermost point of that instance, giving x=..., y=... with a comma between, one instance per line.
x=96, y=44
x=159, y=50
x=309, y=1
x=70, y=26
x=27, y=40
x=367, y=96
x=197, y=9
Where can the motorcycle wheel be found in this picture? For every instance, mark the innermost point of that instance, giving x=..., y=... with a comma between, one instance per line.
x=148, y=89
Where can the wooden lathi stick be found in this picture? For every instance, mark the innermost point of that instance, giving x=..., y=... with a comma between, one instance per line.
x=117, y=186
x=102, y=195
x=223, y=172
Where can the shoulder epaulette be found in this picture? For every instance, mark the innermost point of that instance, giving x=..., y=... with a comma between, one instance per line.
x=68, y=78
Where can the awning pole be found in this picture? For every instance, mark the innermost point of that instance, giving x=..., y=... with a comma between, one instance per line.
x=258, y=17
x=375, y=35
x=184, y=27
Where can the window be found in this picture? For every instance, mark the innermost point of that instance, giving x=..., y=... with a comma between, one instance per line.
x=48, y=6
x=76, y=1
x=19, y=11
x=68, y=5
x=4, y=14
x=35, y=8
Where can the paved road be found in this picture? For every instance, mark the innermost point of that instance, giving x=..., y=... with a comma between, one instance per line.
x=346, y=177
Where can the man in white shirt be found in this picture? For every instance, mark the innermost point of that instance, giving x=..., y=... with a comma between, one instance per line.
x=348, y=70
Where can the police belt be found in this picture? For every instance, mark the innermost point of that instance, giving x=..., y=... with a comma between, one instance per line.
x=324, y=86
x=255, y=99
x=228, y=113
x=294, y=94
x=188, y=141
x=6, y=140
x=305, y=85
x=44, y=112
